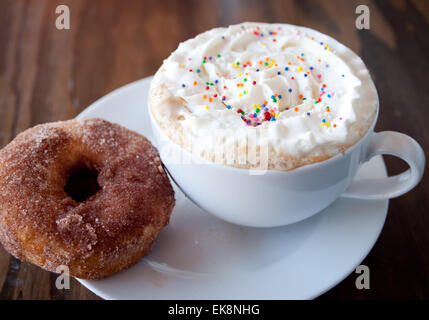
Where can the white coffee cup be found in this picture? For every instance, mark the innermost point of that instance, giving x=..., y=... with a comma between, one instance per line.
x=237, y=196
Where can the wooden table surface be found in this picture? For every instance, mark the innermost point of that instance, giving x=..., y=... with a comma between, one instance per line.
x=48, y=74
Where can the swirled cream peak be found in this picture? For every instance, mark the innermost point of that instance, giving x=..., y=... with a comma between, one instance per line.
x=312, y=96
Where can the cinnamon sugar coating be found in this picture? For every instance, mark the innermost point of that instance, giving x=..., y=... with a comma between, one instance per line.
x=108, y=232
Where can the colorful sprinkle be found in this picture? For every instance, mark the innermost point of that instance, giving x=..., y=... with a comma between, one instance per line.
x=259, y=113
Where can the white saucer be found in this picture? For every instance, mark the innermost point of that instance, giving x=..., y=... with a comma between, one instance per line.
x=201, y=257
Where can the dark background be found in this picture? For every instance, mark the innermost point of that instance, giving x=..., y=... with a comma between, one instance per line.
x=48, y=74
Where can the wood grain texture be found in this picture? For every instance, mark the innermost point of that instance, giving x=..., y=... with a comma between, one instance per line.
x=48, y=74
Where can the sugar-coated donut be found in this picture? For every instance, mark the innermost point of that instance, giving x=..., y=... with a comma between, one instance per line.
x=90, y=195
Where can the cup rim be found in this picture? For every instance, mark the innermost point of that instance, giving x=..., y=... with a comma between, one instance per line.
x=357, y=62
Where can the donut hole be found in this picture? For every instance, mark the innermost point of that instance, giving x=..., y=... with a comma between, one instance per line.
x=82, y=182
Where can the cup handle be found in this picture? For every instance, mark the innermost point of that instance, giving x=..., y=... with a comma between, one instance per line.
x=401, y=146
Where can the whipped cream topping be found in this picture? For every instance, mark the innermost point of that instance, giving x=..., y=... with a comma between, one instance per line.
x=310, y=94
